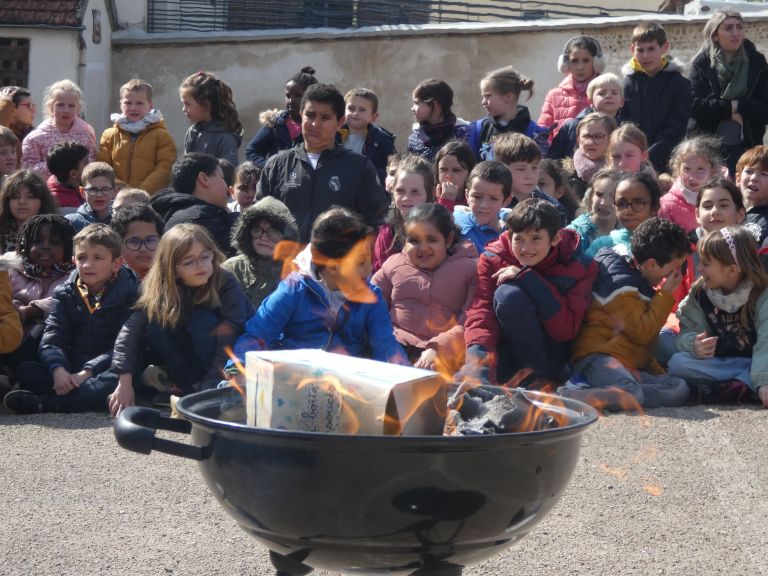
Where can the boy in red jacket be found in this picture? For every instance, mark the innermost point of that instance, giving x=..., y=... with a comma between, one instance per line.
x=533, y=290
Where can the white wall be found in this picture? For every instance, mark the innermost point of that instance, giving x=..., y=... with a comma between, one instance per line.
x=53, y=55
x=131, y=13
x=96, y=74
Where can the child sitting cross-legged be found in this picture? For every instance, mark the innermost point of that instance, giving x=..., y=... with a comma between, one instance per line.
x=329, y=303
x=428, y=287
x=532, y=292
x=614, y=352
x=86, y=316
x=723, y=336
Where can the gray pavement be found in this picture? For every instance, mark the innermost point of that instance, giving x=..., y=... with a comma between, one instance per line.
x=677, y=491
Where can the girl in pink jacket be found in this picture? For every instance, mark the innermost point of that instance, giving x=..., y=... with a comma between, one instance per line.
x=694, y=162
x=62, y=108
x=581, y=61
x=428, y=287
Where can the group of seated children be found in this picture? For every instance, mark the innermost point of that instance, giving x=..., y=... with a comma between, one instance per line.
x=496, y=263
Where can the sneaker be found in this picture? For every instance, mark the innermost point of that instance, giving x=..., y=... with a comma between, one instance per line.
x=22, y=402
x=732, y=391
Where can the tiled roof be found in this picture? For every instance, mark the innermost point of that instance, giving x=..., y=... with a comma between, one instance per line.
x=68, y=13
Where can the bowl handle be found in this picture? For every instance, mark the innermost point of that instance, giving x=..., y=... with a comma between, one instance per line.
x=135, y=430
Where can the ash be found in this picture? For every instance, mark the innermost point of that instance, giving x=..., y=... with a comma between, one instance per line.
x=485, y=412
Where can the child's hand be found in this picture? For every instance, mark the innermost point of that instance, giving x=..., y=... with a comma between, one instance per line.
x=672, y=281
x=447, y=190
x=427, y=360
x=62, y=383
x=704, y=345
x=504, y=274
x=80, y=377
x=123, y=396
x=763, y=393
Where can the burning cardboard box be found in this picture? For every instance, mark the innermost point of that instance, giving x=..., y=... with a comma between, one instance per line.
x=316, y=391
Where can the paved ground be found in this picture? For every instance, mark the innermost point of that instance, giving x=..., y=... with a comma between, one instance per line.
x=679, y=491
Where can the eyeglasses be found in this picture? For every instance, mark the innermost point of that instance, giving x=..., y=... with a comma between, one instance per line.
x=636, y=205
x=271, y=233
x=193, y=262
x=134, y=244
x=30, y=105
x=91, y=191
x=593, y=137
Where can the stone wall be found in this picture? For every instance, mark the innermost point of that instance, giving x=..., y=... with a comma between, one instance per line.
x=390, y=60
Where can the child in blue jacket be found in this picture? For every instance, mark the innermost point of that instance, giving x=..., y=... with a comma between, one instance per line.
x=329, y=303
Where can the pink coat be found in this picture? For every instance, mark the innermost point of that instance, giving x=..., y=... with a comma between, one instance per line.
x=563, y=103
x=675, y=207
x=29, y=290
x=34, y=149
x=428, y=307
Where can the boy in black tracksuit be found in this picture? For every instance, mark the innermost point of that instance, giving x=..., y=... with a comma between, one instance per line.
x=319, y=173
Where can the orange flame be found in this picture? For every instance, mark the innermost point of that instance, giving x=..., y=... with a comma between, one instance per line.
x=239, y=365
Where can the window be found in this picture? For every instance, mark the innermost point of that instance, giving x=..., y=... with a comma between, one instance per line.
x=14, y=62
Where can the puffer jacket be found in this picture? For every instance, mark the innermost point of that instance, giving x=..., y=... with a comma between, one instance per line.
x=85, y=216
x=11, y=330
x=142, y=160
x=483, y=132
x=563, y=102
x=421, y=144
x=298, y=315
x=660, y=105
x=271, y=138
x=586, y=229
x=214, y=139
x=428, y=307
x=560, y=285
x=33, y=291
x=378, y=146
x=34, y=149
x=709, y=109
x=625, y=315
x=179, y=207
x=675, y=208
x=66, y=197
x=131, y=354
x=76, y=337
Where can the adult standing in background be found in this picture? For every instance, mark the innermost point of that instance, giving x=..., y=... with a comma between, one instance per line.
x=729, y=79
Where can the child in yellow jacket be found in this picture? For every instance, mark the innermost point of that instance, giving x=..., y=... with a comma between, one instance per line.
x=138, y=146
x=613, y=355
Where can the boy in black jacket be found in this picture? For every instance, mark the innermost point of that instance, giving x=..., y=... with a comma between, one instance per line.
x=656, y=95
x=361, y=135
x=319, y=173
x=80, y=332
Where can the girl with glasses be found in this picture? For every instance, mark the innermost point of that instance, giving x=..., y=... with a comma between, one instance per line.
x=636, y=200
x=189, y=311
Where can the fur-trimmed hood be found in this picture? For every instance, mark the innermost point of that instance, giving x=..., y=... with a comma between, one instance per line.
x=273, y=117
x=673, y=65
x=271, y=210
x=10, y=261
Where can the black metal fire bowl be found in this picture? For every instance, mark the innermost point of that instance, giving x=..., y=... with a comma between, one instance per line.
x=370, y=504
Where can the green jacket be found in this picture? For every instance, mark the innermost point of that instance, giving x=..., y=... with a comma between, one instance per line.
x=693, y=322
x=258, y=277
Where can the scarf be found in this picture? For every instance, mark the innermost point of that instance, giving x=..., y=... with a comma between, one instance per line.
x=586, y=168
x=438, y=133
x=732, y=302
x=57, y=270
x=153, y=117
x=731, y=75
x=635, y=65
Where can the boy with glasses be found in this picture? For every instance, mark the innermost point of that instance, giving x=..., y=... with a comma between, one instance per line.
x=17, y=112
x=98, y=190
x=140, y=228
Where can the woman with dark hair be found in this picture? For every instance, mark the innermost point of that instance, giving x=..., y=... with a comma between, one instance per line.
x=281, y=128
x=435, y=123
x=729, y=80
